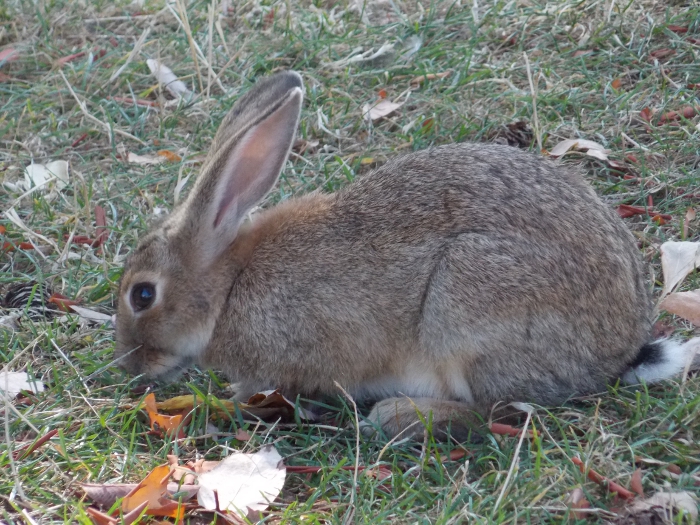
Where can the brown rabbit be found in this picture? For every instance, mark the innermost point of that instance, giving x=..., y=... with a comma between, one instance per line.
x=447, y=280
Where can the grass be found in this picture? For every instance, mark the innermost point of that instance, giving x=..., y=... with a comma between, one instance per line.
x=595, y=68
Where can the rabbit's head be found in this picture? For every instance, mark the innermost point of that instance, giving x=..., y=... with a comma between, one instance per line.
x=175, y=282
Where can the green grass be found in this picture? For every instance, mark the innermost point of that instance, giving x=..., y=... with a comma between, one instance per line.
x=102, y=438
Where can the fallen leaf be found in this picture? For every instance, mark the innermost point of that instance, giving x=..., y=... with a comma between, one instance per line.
x=677, y=29
x=577, y=501
x=383, y=108
x=101, y=225
x=625, y=211
x=273, y=399
x=91, y=315
x=243, y=482
x=153, y=492
x=604, y=482
x=107, y=494
x=684, y=304
x=576, y=144
x=24, y=451
x=168, y=79
x=678, y=259
x=169, y=425
x=678, y=501
x=662, y=53
x=8, y=55
x=12, y=383
x=582, y=52
x=636, y=483
x=646, y=114
x=168, y=155
x=38, y=175
x=508, y=430
x=144, y=160
x=64, y=60
x=689, y=217
x=99, y=518
x=242, y=435
x=137, y=102
x=686, y=112
x=616, y=84
x=417, y=81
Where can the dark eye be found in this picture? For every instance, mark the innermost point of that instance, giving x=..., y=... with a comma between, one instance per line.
x=143, y=295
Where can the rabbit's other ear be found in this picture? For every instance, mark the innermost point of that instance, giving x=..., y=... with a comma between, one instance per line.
x=243, y=166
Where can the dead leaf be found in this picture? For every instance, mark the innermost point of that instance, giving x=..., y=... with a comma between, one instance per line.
x=169, y=425
x=625, y=211
x=686, y=112
x=153, y=492
x=508, y=430
x=242, y=435
x=12, y=383
x=273, y=399
x=168, y=79
x=670, y=501
x=383, y=108
x=636, y=483
x=8, y=55
x=38, y=175
x=107, y=494
x=144, y=160
x=168, y=155
x=99, y=518
x=677, y=29
x=578, y=145
x=646, y=114
x=604, y=482
x=417, y=81
x=91, y=315
x=678, y=259
x=577, y=501
x=243, y=482
x=616, y=84
x=64, y=60
x=689, y=217
x=101, y=225
x=685, y=305
x=662, y=53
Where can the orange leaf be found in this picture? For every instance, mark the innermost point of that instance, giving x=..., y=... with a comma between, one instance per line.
x=646, y=114
x=382, y=93
x=169, y=155
x=161, y=423
x=685, y=305
x=98, y=518
x=604, y=482
x=636, y=483
x=101, y=223
x=687, y=112
x=616, y=84
x=63, y=302
x=152, y=491
x=64, y=60
x=507, y=430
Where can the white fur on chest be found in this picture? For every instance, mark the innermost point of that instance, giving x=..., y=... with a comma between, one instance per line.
x=418, y=379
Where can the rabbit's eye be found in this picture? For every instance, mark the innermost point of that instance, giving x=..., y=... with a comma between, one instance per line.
x=143, y=295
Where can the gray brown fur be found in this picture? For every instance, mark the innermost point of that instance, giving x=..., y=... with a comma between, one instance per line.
x=462, y=276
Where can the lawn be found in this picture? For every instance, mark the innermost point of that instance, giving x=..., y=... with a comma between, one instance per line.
x=77, y=88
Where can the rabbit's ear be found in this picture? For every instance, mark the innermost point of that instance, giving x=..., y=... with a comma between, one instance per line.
x=243, y=169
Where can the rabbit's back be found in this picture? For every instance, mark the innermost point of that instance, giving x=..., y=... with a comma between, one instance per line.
x=466, y=259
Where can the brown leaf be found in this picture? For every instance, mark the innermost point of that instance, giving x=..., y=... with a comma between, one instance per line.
x=662, y=53
x=604, y=482
x=616, y=84
x=646, y=114
x=582, y=52
x=689, y=216
x=670, y=501
x=99, y=518
x=64, y=60
x=636, y=482
x=685, y=305
x=8, y=55
x=417, y=81
x=153, y=491
x=577, y=502
x=508, y=430
x=678, y=259
x=242, y=435
x=101, y=223
x=687, y=112
x=382, y=109
x=161, y=423
x=168, y=155
x=677, y=29
x=107, y=494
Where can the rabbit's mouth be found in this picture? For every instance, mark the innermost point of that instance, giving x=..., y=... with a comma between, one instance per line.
x=155, y=363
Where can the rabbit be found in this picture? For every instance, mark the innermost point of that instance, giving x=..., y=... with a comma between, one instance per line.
x=445, y=282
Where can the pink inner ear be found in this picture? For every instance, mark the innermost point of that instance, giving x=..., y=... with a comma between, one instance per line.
x=253, y=166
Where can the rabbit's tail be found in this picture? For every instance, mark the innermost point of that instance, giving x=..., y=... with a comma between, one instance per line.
x=663, y=359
